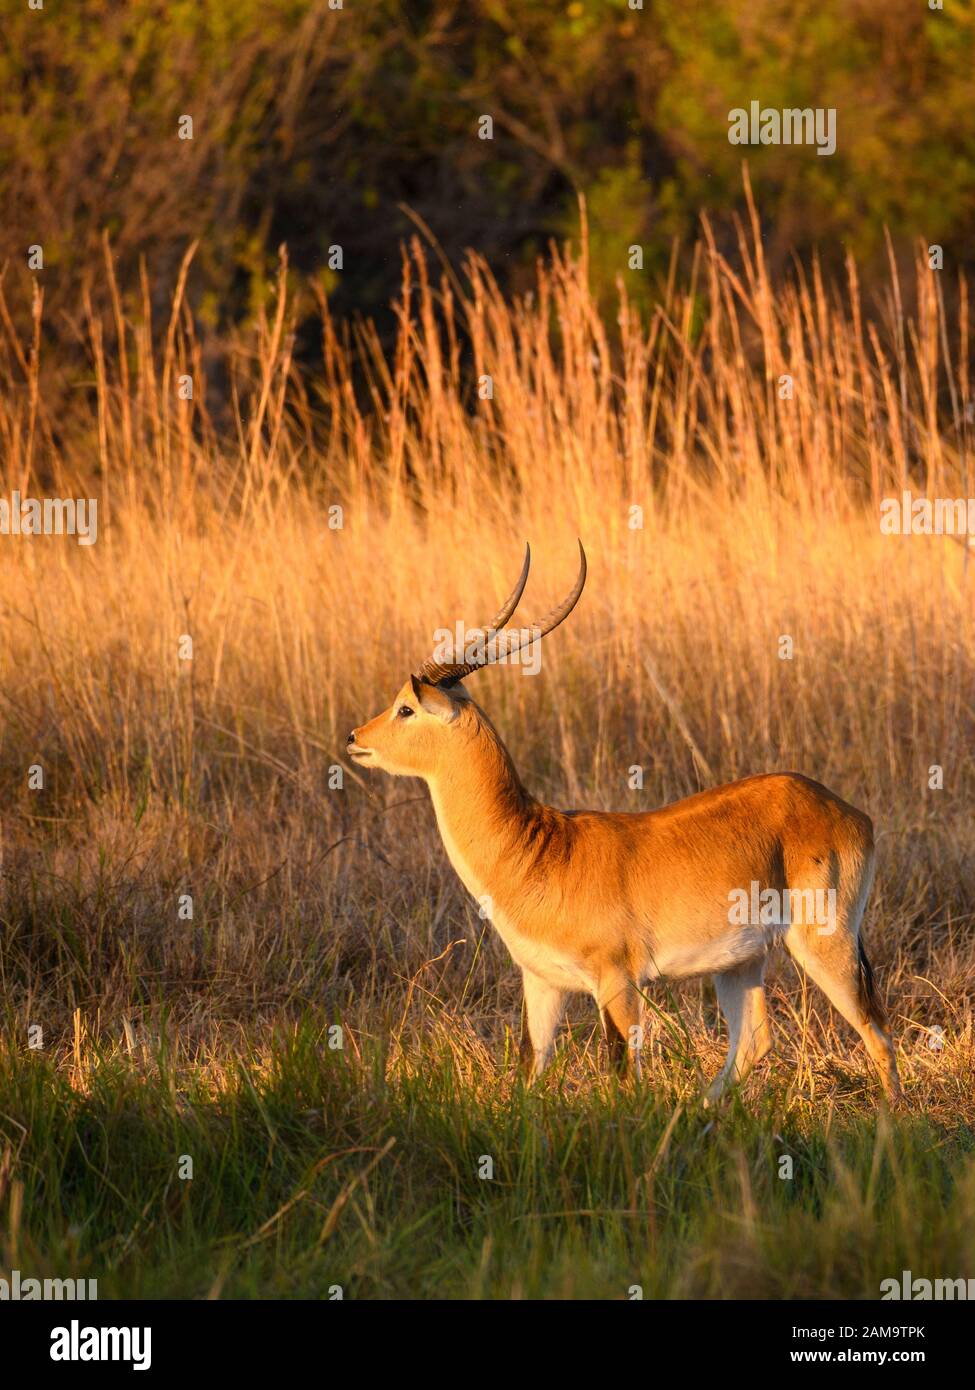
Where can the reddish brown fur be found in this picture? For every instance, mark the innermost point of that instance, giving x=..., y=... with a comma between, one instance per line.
x=605, y=901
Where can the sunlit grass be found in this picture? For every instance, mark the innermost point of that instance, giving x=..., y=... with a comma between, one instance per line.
x=312, y=1170
x=316, y=904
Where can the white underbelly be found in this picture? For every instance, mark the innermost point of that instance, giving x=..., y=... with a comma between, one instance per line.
x=679, y=960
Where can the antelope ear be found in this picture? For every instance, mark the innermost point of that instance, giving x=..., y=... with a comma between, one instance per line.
x=433, y=700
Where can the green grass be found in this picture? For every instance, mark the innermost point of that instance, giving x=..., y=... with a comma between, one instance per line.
x=314, y=1168
x=319, y=900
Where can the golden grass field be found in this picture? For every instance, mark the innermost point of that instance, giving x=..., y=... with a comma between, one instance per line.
x=316, y=904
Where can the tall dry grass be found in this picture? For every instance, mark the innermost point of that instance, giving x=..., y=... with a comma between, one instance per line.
x=211, y=777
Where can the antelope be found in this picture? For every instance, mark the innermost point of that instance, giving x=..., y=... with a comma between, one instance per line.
x=603, y=903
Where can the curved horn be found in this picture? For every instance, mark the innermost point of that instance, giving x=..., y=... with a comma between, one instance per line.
x=514, y=598
x=562, y=610
x=505, y=644
x=448, y=673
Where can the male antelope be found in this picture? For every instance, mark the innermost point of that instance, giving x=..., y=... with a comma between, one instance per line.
x=603, y=902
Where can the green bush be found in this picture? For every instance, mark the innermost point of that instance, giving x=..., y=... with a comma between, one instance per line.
x=314, y=126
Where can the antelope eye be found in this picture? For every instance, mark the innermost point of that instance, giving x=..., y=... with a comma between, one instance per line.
x=404, y=711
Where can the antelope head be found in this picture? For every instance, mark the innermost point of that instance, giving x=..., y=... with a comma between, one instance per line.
x=432, y=711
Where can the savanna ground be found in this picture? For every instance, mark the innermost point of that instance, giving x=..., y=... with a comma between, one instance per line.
x=321, y=900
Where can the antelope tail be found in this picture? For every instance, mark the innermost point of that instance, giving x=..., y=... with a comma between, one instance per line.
x=869, y=995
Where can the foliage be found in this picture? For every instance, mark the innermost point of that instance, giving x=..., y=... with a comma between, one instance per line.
x=315, y=126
